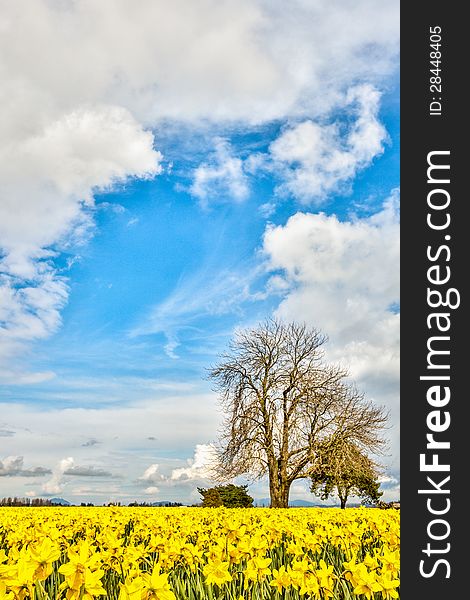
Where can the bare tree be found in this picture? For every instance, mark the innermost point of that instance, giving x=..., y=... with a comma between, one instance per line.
x=281, y=401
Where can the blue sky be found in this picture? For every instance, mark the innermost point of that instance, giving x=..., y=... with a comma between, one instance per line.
x=154, y=206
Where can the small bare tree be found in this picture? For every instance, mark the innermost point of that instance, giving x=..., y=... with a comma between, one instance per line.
x=281, y=401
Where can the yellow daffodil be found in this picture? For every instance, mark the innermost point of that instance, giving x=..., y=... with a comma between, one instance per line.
x=366, y=582
x=4, y=595
x=155, y=585
x=73, y=553
x=281, y=579
x=217, y=572
x=131, y=589
x=388, y=586
x=43, y=554
x=257, y=569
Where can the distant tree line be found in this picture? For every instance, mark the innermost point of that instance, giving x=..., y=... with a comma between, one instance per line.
x=45, y=502
x=156, y=504
x=25, y=502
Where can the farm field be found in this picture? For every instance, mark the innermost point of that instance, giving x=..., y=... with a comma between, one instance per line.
x=197, y=553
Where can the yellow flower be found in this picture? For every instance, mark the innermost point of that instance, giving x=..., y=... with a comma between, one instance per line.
x=217, y=572
x=371, y=562
x=131, y=589
x=349, y=568
x=390, y=561
x=43, y=555
x=326, y=579
x=388, y=585
x=93, y=586
x=156, y=586
x=257, y=568
x=20, y=579
x=281, y=578
x=4, y=595
x=74, y=570
x=194, y=544
x=366, y=582
x=310, y=585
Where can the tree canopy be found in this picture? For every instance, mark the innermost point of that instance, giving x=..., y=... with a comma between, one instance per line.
x=343, y=468
x=281, y=401
x=230, y=496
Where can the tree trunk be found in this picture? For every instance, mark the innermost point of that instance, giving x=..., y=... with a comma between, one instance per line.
x=279, y=492
x=343, y=496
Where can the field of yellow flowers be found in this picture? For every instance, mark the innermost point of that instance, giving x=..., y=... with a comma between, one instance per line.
x=198, y=553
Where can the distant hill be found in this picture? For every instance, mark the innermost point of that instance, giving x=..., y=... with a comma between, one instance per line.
x=265, y=502
x=60, y=502
x=304, y=503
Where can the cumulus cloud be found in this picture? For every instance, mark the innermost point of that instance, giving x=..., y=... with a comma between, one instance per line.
x=220, y=178
x=151, y=474
x=200, y=467
x=47, y=181
x=78, y=104
x=55, y=484
x=315, y=159
x=343, y=277
x=13, y=466
x=239, y=59
x=67, y=468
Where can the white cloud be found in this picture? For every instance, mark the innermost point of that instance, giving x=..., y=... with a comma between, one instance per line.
x=238, y=59
x=200, y=467
x=47, y=181
x=82, y=83
x=48, y=434
x=267, y=209
x=152, y=474
x=55, y=485
x=343, y=278
x=7, y=433
x=13, y=466
x=314, y=159
x=222, y=178
x=151, y=491
x=87, y=471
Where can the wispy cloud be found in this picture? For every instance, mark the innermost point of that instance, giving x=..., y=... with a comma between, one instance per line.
x=87, y=471
x=196, y=296
x=90, y=443
x=221, y=178
x=7, y=433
